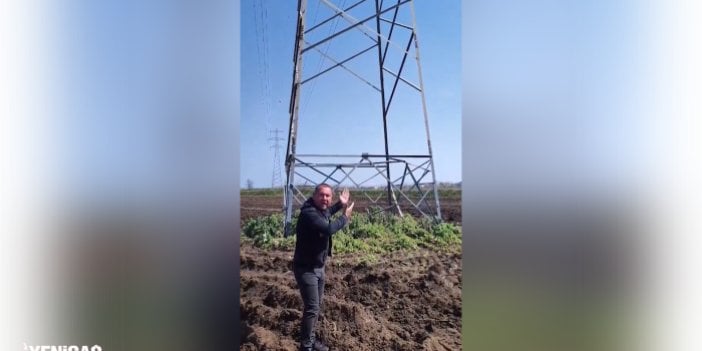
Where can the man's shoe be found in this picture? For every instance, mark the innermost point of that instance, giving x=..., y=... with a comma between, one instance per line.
x=318, y=346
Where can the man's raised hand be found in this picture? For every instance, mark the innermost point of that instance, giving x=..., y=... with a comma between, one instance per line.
x=344, y=197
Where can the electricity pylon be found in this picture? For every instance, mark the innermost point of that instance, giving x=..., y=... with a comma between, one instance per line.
x=276, y=178
x=382, y=36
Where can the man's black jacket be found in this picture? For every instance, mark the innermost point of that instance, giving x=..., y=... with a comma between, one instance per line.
x=314, y=234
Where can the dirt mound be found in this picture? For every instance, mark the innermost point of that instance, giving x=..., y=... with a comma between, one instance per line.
x=405, y=301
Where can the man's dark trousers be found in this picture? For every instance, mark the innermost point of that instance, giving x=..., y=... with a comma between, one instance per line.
x=311, y=284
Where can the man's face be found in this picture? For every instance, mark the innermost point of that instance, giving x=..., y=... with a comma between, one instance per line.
x=322, y=198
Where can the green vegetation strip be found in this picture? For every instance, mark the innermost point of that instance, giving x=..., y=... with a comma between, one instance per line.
x=370, y=233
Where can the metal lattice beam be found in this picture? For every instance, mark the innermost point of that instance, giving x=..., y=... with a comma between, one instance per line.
x=360, y=171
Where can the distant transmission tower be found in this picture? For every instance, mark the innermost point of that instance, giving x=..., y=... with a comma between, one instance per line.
x=276, y=179
x=375, y=39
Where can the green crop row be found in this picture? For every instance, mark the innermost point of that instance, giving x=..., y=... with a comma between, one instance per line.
x=372, y=232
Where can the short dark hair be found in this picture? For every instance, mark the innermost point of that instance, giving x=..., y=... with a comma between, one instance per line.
x=322, y=185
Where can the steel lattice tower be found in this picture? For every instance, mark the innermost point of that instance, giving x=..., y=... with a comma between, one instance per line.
x=389, y=36
x=276, y=178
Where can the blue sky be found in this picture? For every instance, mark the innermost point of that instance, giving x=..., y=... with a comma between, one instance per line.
x=149, y=98
x=551, y=96
x=339, y=113
x=523, y=96
x=539, y=96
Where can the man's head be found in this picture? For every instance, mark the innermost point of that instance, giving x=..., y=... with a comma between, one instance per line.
x=322, y=196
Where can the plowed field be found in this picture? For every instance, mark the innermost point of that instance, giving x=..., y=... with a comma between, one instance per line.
x=403, y=301
x=253, y=206
x=406, y=301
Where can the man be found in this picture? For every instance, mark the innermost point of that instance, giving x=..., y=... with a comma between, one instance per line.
x=313, y=245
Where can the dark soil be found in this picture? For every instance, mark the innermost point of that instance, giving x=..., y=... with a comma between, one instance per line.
x=404, y=301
